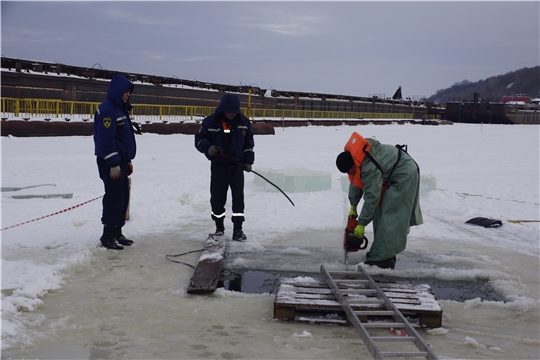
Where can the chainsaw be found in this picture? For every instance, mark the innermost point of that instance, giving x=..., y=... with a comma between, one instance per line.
x=350, y=242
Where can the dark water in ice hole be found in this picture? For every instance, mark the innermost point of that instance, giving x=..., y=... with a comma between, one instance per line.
x=265, y=281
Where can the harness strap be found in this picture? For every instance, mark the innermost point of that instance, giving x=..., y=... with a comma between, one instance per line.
x=400, y=149
x=395, y=164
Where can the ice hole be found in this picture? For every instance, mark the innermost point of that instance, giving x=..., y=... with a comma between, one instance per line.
x=267, y=282
x=297, y=179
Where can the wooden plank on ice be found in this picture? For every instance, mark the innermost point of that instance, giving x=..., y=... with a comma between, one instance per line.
x=205, y=277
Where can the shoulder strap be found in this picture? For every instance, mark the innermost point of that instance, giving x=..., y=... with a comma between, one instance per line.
x=400, y=149
x=372, y=159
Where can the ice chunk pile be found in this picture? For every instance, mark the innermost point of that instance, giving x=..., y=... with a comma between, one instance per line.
x=298, y=179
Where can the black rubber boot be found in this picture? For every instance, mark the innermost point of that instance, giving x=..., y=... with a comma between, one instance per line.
x=108, y=239
x=220, y=227
x=383, y=264
x=238, y=234
x=120, y=238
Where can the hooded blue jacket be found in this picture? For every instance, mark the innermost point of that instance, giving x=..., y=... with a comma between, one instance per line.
x=114, y=138
x=238, y=144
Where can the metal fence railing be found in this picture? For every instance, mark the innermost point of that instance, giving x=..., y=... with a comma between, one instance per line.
x=68, y=110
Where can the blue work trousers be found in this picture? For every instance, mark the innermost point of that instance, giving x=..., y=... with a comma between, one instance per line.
x=116, y=198
x=222, y=177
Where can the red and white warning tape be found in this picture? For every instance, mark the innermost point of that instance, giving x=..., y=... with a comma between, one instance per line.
x=56, y=213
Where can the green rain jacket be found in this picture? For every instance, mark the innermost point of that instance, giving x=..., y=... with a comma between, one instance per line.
x=400, y=207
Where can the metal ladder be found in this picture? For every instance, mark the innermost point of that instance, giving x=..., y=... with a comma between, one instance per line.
x=399, y=321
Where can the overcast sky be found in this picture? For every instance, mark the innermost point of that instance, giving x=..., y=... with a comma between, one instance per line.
x=351, y=48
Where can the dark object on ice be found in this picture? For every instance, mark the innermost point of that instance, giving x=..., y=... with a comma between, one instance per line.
x=261, y=281
x=206, y=275
x=383, y=264
x=108, y=239
x=120, y=238
x=485, y=222
x=238, y=235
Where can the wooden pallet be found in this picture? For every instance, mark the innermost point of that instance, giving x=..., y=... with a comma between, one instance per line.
x=300, y=296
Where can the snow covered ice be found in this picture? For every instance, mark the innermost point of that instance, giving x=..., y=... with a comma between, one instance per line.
x=65, y=297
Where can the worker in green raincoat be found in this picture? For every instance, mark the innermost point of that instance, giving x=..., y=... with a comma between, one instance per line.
x=389, y=180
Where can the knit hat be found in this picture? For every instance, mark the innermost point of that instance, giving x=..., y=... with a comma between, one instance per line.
x=344, y=161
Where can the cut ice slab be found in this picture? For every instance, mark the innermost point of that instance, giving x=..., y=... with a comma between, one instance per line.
x=4, y=189
x=44, y=196
x=42, y=191
x=298, y=179
x=427, y=183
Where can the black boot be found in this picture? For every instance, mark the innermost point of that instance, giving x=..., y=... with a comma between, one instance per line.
x=121, y=239
x=238, y=234
x=108, y=239
x=220, y=227
x=383, y=264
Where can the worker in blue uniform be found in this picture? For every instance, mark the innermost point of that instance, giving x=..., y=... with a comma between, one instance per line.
x=115, y=147
x=226, y=138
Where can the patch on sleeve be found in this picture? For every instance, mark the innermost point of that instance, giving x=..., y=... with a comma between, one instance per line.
x=107, y=122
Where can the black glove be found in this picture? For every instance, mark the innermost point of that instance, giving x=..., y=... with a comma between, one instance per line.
x=213, y=150
x=247, y=167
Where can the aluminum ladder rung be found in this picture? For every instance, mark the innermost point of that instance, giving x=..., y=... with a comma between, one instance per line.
x=384, y=325
x=375, y=312
x=394, y=338
x=404, y=354
x=399, y=321
x=366, y=301
x=344, y=273
x=358, y=291
x=351, y=281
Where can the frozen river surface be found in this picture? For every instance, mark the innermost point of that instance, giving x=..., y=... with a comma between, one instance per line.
x=132, y=304
x=65, y=298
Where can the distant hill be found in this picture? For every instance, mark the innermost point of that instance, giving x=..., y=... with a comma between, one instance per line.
x=525, y=82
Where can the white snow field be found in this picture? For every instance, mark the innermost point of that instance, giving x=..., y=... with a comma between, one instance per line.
x=64, y=297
